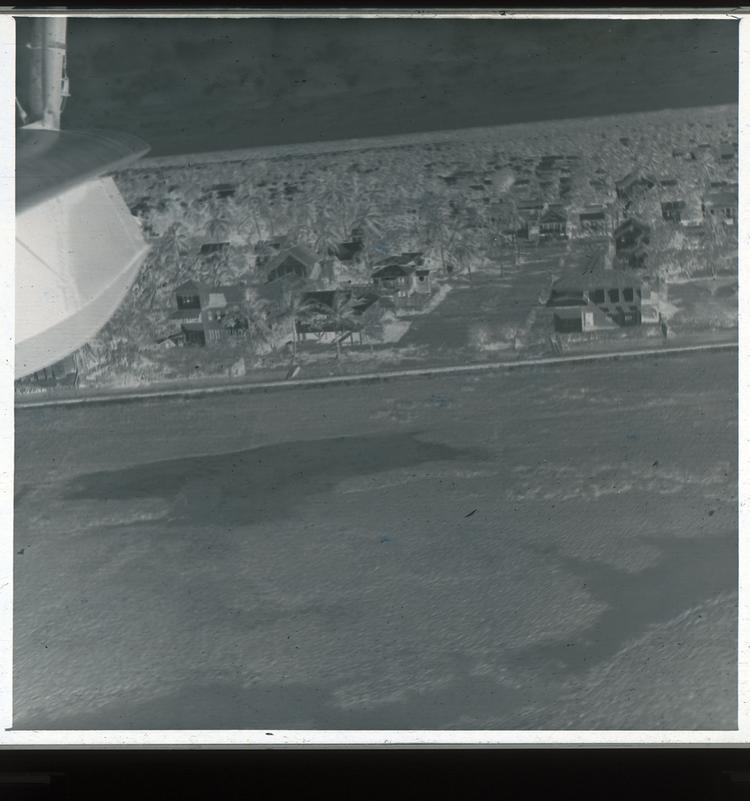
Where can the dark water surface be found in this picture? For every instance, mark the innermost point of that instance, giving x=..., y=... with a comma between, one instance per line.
x=370, y=557
x=207, y=85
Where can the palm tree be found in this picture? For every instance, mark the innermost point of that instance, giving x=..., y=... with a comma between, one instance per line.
x=256, y=309
x=373, y=326
x=294, y=308
x=251, y=210
x=233, y=213
x=344, y=316
x=369, y=220
x=342, y=204
x=496, y=226
x=296, y=222
x=442, y=227
x=164, y=264
x=327, y=238
x=173, y=209
x=462, y=252
x=180, y=240
x=217, y=229
x=218, y=265
x=238, y=261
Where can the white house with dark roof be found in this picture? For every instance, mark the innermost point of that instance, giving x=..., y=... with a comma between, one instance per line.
x=595, y=300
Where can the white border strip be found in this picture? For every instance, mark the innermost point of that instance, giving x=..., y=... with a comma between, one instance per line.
x=743, y=634
x=269, y=738
x=337, y=13
x=7, y=361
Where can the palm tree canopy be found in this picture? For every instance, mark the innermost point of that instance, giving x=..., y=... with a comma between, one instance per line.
x=217, y=229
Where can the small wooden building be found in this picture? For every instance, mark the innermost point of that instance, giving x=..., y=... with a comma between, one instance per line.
x=727, y=151
x=221, y=191
x=720, y=206
x=672, y=210
x=60, y=374
x=593, y=220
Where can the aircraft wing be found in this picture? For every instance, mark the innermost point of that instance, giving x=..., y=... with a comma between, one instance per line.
x=48, y=162
x=78, y=248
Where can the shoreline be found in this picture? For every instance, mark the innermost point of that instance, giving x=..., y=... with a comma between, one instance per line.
x=300, y=149
x=125, y=396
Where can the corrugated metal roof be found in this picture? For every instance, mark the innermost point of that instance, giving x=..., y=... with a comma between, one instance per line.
x=213, y=247
x=394, y=270
x=554, y=214
x=216, y=300
x=592, y=214
x=186, y=314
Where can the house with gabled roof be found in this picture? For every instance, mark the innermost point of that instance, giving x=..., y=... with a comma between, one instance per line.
x=295, y=262
x=553, y=223
x=403, y=280
x=529, y=211
x=633, y=185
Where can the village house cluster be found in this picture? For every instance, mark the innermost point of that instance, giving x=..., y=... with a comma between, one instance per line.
x=292, y=275
x=616, y=290
x=282, y=288
x=612, y=289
